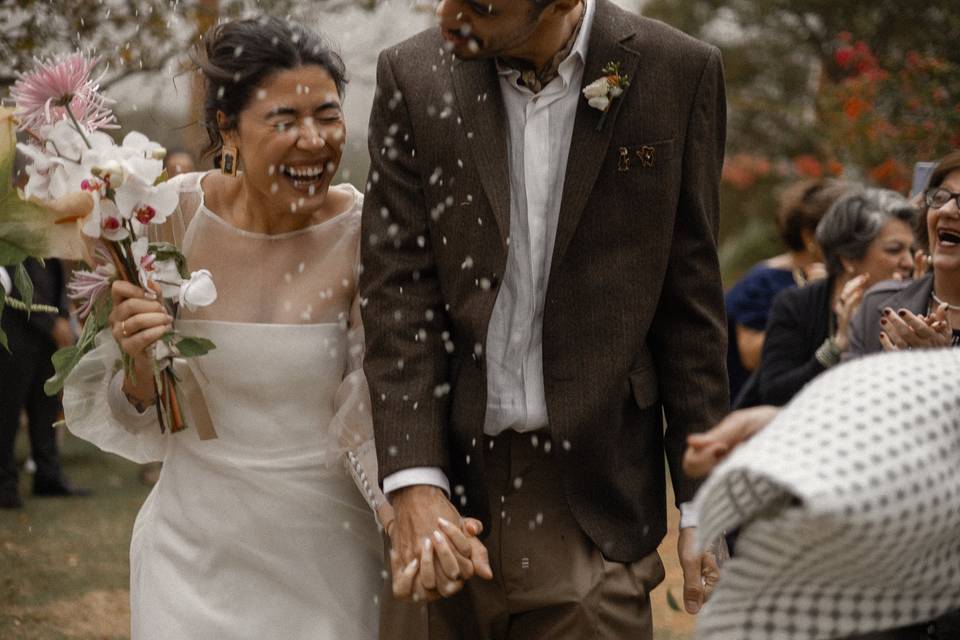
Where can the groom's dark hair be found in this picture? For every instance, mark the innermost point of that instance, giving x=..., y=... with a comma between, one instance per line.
x=236, y=57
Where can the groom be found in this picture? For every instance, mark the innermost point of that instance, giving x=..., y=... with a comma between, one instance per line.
x=541, y=285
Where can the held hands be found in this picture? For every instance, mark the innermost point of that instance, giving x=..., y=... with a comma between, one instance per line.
x=905, y=330
x=706, y=450
x=433, y=550
x=137, y=321
x=701, y=571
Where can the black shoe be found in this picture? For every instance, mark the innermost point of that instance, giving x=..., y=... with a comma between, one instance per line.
x=10, y=499
x=59, y=487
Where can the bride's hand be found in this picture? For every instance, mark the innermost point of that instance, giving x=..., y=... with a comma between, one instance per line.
x=385, y=516
x=137, y=321
x=471, y=553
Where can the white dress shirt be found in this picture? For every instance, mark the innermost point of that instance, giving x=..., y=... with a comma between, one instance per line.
x=540, y=127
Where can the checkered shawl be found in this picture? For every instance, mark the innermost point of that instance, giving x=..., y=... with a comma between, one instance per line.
x=848, y=504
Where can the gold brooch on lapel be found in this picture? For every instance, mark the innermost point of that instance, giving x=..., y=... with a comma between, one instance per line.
x=647, y=156
x=601, y=93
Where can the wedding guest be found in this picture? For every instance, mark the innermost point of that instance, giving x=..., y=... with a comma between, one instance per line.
x=255, y=528
x=542, y=285
x=860, y=526
x=748, y=302
x=925, y=312
x=178, y=162
x=867, y=236
x=23, y=369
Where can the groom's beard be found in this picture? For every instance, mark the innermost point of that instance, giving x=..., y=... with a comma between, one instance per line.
x=474, y=47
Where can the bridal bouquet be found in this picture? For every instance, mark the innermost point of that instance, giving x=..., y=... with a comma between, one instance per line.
x=88, y=198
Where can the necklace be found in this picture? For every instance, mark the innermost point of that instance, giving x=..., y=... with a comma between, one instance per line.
x=952, y=307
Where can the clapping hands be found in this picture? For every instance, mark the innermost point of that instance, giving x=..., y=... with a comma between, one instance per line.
x=433, y=550
x=846, y=306
x=905, y=330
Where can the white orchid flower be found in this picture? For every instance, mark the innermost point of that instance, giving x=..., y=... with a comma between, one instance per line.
x=163, y=273
x=110, y=221
x=145, y=203
x=147, y=147
x=198, y=291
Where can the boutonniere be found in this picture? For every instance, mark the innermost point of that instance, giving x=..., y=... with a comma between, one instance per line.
x=601, y=93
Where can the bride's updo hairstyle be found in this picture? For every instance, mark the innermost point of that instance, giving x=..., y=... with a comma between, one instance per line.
x=238, y=56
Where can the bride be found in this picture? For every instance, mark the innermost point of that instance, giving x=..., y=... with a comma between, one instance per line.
x=262, y=531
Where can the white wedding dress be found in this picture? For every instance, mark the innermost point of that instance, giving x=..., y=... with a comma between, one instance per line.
x=262, y=532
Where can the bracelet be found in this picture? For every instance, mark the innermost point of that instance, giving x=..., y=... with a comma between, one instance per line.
x=828, y=354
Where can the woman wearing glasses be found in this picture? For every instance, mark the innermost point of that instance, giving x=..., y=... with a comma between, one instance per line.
x=922, y=313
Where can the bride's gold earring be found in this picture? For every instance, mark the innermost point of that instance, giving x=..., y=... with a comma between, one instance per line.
x=229, y=158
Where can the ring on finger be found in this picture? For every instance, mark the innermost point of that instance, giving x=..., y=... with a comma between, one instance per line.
x=123, y=328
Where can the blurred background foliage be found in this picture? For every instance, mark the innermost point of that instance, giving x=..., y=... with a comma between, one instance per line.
x=859, y=88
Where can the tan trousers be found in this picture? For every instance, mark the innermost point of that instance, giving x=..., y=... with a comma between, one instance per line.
x=550, y=580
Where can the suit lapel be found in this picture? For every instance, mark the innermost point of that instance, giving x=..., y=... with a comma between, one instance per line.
x=588, y=147
x=481, y=107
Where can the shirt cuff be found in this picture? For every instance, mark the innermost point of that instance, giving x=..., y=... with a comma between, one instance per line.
x=432, y=476
x=688, y=516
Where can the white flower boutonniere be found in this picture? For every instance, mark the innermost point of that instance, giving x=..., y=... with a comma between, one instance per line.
x=601, y=93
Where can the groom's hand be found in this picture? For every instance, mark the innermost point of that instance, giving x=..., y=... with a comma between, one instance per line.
x=419, y=544
x=700, y=571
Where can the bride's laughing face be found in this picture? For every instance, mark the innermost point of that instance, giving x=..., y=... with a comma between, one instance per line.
x=290, y=138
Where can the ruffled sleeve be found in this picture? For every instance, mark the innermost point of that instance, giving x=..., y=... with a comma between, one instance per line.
x=352, y=423
x=96, y=409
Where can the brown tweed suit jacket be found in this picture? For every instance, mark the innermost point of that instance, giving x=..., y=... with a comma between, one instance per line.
x=633, y=324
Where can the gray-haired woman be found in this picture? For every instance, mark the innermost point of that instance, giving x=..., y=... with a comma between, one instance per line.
x=867, y=236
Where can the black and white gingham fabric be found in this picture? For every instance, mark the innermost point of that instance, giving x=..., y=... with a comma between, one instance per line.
x=849, y=503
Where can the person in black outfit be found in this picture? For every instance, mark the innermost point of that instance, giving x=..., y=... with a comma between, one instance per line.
x=23, y=371
x=866, y=237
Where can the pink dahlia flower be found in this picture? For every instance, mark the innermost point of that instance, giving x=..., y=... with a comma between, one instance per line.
x=87, y=287
x=43, y=94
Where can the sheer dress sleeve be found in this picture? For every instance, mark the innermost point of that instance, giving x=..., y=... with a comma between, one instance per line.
x=352, y=423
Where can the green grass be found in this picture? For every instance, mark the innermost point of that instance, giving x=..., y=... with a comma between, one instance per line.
x=64, y=558
x=64, y=568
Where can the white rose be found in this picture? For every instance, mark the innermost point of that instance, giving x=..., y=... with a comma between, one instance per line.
x=198, y=291
x=615, y=91
x=601, y=103
x=596, y=89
